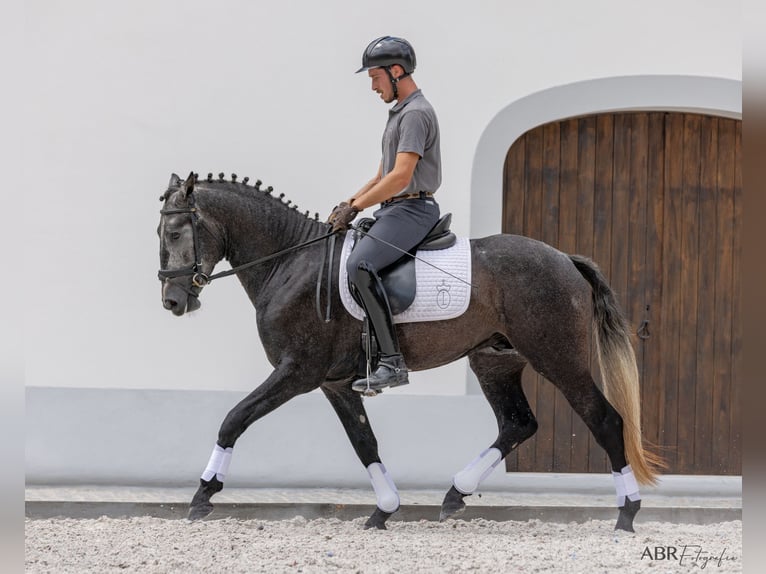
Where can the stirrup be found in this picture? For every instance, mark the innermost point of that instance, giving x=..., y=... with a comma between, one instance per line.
x=394, y=375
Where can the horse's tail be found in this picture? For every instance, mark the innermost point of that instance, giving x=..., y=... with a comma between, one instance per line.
x=619, y=370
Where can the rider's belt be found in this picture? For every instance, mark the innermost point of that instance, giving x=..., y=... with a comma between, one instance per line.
x=418, y=195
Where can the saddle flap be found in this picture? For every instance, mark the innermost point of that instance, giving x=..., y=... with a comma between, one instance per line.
x=399, y=279
x=400, y=284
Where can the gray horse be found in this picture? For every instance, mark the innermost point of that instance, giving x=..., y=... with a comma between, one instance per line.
x=531, y=304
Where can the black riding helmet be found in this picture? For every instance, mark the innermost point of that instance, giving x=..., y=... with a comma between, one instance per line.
x=386, y=51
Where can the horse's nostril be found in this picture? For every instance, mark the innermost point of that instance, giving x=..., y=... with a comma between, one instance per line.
x=169, y=303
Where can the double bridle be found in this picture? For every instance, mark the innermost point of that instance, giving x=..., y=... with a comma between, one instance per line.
x=200, y=279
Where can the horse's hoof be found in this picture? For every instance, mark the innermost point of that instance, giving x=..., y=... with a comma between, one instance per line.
x=200, y=505
x=377, y=520
x=453, y=504
x=627, y=514
x=451, y=511
x=200, y=511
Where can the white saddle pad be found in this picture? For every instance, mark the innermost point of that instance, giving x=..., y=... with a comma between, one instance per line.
x=438, y=296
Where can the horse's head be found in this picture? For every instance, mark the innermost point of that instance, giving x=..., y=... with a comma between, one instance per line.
x=188, y=247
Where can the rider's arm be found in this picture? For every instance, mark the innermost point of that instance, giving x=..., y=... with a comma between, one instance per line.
x=367, y=186
x=379, y=189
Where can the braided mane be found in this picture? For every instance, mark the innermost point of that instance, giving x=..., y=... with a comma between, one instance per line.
x=243, y=186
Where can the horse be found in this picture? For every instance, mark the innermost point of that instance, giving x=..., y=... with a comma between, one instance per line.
x=530, y=304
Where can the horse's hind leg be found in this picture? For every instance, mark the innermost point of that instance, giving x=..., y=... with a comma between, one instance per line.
x=607, y=427
x=499, y=373
x=350, y=410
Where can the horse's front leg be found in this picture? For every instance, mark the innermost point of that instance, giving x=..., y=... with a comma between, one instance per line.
x=288, y=380
x=350, y=410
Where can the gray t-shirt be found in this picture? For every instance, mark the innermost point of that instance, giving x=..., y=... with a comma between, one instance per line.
x=412, y=127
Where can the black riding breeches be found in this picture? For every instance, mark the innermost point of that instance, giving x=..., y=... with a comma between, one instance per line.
x=403, y=224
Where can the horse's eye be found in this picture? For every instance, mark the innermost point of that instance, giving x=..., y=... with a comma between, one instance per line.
x=174, y=235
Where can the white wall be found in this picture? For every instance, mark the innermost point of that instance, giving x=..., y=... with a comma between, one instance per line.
x=119, y=95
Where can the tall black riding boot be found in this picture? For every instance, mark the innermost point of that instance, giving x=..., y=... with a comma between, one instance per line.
x=391, y=370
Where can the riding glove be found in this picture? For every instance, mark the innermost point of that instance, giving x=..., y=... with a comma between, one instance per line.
x=341, y=216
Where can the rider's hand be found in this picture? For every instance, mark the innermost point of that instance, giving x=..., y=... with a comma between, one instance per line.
x=341, y=216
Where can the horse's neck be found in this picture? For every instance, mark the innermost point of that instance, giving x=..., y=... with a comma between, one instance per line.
x=256, y=225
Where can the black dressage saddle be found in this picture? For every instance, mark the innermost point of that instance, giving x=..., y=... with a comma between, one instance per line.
x=399, y=278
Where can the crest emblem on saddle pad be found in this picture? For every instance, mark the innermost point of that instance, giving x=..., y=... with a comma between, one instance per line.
x=442, y=298
x=438, y=296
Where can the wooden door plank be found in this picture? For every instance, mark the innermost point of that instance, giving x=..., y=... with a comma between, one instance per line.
x=545, y=392
x=562, y=453
x=651, y=382
x=551, y=186
x=533, y=228
x=533, y=206
x=636, y=299
x=514, y=197
x=603, y=225
x=671, y=282
x=586, y=174
x=644, y=281
x=621, y=206
x=707, y=323
x=687, y=360
x=737, y=374
x=514, y=177
x=724, y=295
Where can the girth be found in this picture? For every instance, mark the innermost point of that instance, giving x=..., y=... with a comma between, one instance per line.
x=399, y=278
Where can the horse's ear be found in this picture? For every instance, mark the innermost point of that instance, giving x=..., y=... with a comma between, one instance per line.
x=188, y=186
x=175, y=181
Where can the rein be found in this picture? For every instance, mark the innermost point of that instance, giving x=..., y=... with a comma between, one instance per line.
x=238, y=268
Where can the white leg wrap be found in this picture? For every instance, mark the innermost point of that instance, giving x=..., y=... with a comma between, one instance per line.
x=385, y=489
x=468, y=479
x=626, y=486
x=218, y=465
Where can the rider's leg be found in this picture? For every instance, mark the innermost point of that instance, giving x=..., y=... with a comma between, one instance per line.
x=398, y=228
x=391, y=370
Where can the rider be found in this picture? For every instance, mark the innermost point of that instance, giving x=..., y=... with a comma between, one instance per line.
x=408, y=176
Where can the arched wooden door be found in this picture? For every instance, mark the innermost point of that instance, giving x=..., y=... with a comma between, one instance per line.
x=656, y=200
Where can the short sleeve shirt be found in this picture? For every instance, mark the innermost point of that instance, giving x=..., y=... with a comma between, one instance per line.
x=412, y=127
